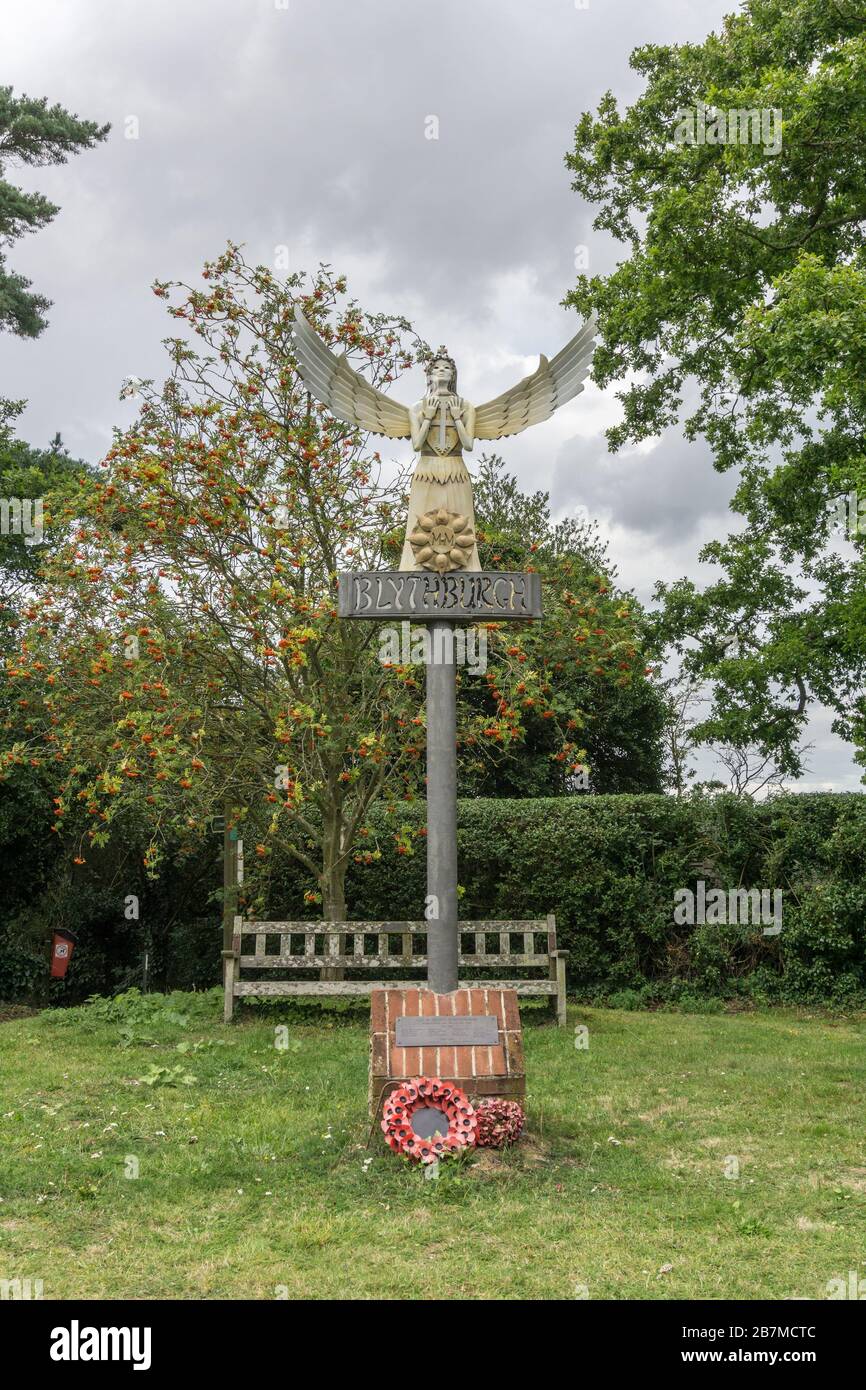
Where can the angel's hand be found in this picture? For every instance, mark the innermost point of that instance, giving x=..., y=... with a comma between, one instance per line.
x=430, y=409
x=457, y=408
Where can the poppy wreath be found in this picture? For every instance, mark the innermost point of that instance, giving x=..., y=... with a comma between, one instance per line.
x=419, y=1094
x=500, y=1122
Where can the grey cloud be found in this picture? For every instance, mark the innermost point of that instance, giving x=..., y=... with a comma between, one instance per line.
x=304, y=126
x=665, y=493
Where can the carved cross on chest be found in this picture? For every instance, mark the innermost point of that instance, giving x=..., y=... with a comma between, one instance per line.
x=443, y=438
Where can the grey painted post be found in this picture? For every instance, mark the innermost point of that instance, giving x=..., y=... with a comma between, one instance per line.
x=442, y=945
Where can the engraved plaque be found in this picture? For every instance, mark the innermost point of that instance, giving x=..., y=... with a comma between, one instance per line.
x=469, y=1031
x=424, y=597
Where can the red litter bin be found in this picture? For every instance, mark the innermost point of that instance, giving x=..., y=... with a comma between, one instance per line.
x=63, y=943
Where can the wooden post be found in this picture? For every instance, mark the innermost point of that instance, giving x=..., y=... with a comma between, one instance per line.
x=230, y=881
x=229, y=972
x=230, y=907
x=560, y=988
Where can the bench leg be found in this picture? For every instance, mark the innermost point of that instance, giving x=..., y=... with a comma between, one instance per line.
x=558, y=1000
x=229, y=985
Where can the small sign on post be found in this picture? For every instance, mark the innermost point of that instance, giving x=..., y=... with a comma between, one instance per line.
x=424, y=597
x=63, y=943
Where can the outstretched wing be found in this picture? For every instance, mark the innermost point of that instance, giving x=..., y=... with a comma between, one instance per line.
x=537, y=396
x=346, y=394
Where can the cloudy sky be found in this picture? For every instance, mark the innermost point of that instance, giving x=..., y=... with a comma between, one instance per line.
x=306, y=124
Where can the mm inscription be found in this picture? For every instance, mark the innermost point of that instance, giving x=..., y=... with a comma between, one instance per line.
x=418, y=594
x=469, y=1031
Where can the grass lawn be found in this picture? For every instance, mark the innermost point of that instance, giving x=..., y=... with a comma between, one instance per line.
x=254, y=1180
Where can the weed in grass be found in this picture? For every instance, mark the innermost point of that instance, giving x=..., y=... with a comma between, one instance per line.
x=166, y=1076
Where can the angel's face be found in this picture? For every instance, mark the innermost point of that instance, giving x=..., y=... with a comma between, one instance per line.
x=440, y=377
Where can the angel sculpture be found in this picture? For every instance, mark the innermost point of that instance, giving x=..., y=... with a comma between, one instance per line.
x=440, y=529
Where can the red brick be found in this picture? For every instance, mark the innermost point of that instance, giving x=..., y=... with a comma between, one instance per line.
x=476, y=1001
x=378, y=1020
x=495, y=1006
x=514, y=1053
x=379, y=1054
x=464, y=1063
x=405, y=1061
x=512, y=1009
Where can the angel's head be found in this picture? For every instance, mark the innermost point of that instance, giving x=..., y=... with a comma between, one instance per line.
x=441, y=374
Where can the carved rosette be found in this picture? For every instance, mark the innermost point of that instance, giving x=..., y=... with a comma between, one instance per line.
x=442, y=541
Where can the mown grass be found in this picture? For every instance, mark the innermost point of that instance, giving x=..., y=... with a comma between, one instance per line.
x=254, y=1180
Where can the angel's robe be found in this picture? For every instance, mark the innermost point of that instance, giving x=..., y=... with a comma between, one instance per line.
x=440, y=479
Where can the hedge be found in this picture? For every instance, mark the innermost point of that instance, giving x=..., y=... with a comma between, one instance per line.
x=608, y=867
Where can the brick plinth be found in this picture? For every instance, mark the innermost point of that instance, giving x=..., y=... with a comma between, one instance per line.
x=481, y=1070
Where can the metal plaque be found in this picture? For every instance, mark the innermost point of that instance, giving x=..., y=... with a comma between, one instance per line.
x=447, y=1030
x=424, y=597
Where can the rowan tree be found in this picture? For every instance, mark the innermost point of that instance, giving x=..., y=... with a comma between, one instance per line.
x=185, y=637
x=183, y=653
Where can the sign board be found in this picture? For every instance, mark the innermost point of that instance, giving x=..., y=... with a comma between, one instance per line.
x=472, y=1030
x=422, y=596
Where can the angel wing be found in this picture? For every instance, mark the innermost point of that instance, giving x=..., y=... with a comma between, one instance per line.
x=537, y=396
x=346, y=394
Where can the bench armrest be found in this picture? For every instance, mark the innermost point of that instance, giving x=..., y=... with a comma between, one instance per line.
x=557, y=953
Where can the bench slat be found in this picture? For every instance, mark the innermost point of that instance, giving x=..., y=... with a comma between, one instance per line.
x=287, y=987
x=384, y=962
x=252, y=927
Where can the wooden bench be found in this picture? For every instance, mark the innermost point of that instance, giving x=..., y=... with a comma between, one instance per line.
x=327, y=948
